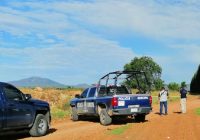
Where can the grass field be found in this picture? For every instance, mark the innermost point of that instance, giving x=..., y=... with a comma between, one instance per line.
x=173, y=96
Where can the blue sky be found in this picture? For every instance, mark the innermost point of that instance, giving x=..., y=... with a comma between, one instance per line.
x=79, y=41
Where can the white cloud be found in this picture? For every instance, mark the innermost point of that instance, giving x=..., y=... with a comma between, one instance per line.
x=87, y=58
x=21, y=23
x=151, y=18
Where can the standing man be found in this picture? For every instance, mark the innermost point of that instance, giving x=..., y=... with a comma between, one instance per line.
x=163, y=96
x=183, y=94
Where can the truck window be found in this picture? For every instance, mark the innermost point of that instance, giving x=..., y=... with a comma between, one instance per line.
x=92, y=92
x=12, y=93
x=109, y=91
x=122, y=90
x=84, y=94
x=102, y=91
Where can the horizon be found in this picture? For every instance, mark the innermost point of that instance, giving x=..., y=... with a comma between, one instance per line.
x=44, y=78
x=67, y=84
x=75, y=42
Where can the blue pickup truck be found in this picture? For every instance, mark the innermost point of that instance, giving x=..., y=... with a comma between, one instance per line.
x=113, y=98
x=20, y=111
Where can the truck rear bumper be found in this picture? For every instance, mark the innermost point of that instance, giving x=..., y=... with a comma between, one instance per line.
x=130, y=111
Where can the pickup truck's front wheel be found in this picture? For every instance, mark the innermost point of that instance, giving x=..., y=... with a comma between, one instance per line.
x=40, y=126
x=74, y=115
x=105, y=119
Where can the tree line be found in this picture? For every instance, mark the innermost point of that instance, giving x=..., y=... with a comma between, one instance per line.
x=195, y=82
x=153, y=73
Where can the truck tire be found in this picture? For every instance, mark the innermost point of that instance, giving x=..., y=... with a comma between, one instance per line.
x=140, y=118
x=74, y=115
x=105, y=119
x=40, y=126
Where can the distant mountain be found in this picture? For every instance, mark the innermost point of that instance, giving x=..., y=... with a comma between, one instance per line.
x=84, y=86
x=37, y=82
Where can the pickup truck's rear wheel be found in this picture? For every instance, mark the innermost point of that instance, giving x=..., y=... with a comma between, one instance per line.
x=105, y=119
x=40, y=126
x=74, y=115
x=140, y=118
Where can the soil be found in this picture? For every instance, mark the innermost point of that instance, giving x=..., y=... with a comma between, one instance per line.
x=174, y=126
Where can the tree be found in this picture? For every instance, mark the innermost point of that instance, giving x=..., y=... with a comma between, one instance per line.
x=195, y=82
x=159, y=84
x=183, y=84
x=152, y=69
x=174, y=86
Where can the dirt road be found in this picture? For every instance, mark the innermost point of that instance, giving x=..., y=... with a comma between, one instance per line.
x=174, y=126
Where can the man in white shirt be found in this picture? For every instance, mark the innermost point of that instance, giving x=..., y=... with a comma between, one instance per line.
x=162, y=96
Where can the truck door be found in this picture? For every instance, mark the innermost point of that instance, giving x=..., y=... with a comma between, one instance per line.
x=90, y=101
x=81, y=103
x=18, y=112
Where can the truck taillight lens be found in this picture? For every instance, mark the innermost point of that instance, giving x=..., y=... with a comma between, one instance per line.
x=114, y=101
x=150, y=100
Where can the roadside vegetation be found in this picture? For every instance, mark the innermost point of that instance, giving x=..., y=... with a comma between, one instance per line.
x=197, y=111
x=57, y=98
x=173, y=96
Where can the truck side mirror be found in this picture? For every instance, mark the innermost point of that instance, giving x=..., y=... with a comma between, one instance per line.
x=28, y=96
x=77, y=96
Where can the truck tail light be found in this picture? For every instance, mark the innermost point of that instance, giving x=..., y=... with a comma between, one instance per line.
x=150, y=100
x=114, y=101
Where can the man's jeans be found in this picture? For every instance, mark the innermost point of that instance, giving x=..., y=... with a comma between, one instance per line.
x=161, y=107
x=183, y=105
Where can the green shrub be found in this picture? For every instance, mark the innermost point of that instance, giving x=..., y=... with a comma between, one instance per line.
x=58, y=113
x=119, y=130
x=174, y=86
x=198, y=111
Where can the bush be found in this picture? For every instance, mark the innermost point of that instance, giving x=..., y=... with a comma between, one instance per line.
x=174, y=86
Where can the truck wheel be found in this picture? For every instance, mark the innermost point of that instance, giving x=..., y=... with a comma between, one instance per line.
x=105, y=119
x=140, y=118
x=40, y=126
x=74, y=115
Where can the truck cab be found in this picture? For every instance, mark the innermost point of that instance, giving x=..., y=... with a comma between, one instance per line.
x=20, y=111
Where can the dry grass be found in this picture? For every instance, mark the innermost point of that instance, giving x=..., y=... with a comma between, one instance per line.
x=171, y=93
x=173, y=96
x=57, y=98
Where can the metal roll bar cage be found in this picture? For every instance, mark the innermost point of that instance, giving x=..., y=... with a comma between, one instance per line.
x=130, y=74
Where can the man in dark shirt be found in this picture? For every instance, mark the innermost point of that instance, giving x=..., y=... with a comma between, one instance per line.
x=183, y=94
